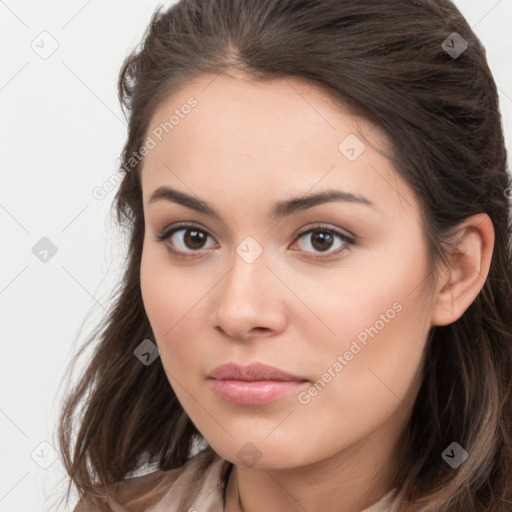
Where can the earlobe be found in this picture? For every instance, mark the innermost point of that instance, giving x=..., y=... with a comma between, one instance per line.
x=470, y=261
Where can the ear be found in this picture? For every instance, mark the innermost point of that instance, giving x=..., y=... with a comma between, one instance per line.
x=469, y=260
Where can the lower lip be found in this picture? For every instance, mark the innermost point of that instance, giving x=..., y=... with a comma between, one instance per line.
x=257, y=392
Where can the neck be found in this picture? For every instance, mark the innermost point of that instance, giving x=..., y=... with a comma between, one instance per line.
x=348, y=481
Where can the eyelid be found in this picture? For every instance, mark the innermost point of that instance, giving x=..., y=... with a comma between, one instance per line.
x=346, y=235
x=169, y=230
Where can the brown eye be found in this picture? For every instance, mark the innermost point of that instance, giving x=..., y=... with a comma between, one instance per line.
x=184, y=240
x=187, y=239
x=194, y=239
x=322, y=240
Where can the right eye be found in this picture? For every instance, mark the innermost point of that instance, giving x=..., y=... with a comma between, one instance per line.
x=186, y=239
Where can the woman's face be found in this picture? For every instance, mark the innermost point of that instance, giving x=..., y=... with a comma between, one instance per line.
x=344, y=307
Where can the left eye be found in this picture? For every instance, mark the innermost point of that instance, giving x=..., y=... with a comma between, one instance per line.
x=324, y=238
x=193, y=240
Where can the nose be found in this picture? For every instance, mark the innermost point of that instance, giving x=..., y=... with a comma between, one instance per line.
x=249, y=300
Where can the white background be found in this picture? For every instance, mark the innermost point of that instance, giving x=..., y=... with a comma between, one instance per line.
x=61, y=135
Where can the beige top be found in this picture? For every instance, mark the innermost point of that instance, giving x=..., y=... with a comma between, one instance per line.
x=197, y=486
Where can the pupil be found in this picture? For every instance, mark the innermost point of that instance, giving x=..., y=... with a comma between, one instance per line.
x=195, y=240
x=323, y=237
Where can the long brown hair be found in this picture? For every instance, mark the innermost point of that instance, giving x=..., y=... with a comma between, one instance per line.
x=440, y=111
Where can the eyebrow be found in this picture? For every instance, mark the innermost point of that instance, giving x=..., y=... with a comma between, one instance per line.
x=280, y=210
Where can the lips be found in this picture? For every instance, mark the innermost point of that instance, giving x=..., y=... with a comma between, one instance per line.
x=254, y=385
x=252, y=372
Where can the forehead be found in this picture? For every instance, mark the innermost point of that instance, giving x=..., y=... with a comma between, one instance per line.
x=229, y=110
x=242, y=135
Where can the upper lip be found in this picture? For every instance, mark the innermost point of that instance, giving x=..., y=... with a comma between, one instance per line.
x=252, y=372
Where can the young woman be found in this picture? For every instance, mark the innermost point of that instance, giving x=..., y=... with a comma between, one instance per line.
x=315, y=313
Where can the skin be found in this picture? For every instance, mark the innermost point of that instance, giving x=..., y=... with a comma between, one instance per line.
x=244, y=147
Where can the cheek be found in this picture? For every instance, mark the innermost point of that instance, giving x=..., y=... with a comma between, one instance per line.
x=368, y=373
x=173, y=307
x=380, y=320
x=163, y=296
x=153, y=289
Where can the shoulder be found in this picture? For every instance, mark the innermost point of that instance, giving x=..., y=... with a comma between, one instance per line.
x=385, y=503
x=202, y=472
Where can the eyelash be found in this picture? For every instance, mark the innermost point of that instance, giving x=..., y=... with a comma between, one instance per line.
x=168, y=232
